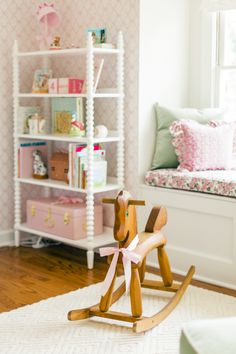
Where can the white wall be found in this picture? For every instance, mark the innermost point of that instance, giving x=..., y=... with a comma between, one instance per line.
x=163, y=66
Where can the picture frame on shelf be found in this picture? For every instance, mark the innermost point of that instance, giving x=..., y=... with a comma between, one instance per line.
x=40, y=81
x=98, y=34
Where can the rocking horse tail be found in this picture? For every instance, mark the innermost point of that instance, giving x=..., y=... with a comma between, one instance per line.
x=157, y=219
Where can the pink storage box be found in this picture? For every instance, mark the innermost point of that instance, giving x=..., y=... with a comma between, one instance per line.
x=65, y=220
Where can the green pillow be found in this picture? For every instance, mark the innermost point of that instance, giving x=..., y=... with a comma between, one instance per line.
x=164, y=156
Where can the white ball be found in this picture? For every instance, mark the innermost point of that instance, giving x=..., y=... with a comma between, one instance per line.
x=100, y=131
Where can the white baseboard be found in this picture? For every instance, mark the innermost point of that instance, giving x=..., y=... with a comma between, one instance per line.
x=6, y=238
x=196, y=276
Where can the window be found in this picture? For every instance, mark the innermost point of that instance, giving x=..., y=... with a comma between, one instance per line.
x=225, y=63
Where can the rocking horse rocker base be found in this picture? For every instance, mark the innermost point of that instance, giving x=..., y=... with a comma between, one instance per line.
x=136, y=246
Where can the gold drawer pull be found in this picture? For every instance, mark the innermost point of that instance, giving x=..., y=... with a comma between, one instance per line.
x=49, y=219
x=33, y=210
x=66, y=218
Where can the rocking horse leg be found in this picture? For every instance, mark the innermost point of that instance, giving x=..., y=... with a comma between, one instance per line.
x=164, y=266
x=142, y=270
x=106, y=300
x=135, y=293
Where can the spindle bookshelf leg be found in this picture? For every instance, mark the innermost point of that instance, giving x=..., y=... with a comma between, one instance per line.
x=90, y=259
x=17, y=196
x=120, y=111
x=90, y=142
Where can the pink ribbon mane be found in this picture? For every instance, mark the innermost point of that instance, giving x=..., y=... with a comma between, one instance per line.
x=128, y=256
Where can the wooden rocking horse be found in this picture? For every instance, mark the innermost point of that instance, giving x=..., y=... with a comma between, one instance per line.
x=131, y=254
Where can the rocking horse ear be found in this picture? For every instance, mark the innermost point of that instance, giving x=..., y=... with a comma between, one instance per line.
x=108, y=201
x=136, y=202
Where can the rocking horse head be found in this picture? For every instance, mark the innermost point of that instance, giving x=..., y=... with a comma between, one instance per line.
x=125, y=226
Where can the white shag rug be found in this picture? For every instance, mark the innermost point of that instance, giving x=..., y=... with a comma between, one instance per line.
x=43, y=328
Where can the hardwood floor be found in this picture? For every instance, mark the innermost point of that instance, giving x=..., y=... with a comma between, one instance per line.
x=29, y=275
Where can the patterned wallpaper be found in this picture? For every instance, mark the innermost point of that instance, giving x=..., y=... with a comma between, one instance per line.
x=18, y=22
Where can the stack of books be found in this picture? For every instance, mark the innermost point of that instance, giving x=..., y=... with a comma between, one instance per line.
x=78, y=166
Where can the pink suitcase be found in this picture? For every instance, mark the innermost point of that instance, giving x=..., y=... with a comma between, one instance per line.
x=65, y=220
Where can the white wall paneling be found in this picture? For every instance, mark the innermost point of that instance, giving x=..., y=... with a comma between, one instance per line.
x=201, y=230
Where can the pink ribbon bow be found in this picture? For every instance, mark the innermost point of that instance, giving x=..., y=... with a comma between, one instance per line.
x=128, y=257
x=68, y=200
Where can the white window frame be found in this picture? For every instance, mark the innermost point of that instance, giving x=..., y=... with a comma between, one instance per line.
x=218, y=50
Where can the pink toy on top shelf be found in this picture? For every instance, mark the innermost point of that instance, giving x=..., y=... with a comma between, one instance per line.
x=48, y=19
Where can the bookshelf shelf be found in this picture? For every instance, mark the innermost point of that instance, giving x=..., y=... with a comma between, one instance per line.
x=101, y=240
x=117, y=136
x=109, y=94
x=112, y=137
x=50, y=183
x=68, y=52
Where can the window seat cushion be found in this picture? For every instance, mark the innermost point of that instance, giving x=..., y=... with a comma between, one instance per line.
x=220, y=182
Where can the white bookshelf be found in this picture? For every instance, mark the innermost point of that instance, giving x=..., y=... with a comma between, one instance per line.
x=91, y=242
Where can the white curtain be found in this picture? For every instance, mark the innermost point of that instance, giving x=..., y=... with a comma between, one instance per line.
x=218, y=5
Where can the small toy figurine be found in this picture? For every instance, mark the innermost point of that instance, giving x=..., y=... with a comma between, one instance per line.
x=100, y=131
x=37, y=124
x=77, y=127
x=56, y=44
x=39, y=167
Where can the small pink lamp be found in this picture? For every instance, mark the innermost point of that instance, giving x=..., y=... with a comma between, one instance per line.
x=48, y=19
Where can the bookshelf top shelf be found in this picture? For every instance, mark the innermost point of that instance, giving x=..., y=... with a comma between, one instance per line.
x=67, y=52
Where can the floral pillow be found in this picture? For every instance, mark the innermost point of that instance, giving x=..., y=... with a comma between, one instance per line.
x=199, y=147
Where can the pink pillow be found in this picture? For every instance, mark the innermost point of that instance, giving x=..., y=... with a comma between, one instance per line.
x=232, y=125
x=199, y=147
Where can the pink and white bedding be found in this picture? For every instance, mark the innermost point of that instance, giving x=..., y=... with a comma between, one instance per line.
x=220, y=182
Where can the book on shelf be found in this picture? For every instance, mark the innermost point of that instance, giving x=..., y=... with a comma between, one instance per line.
x=78, y=166
x=99, y=173
x=25, y=113
x=25, y=156
x=68, y=116
x=97, y=74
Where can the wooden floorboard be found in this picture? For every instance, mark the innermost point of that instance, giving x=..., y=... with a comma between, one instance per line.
x=29, y=275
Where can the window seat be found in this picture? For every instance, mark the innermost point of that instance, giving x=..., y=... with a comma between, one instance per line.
x=220, y=182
